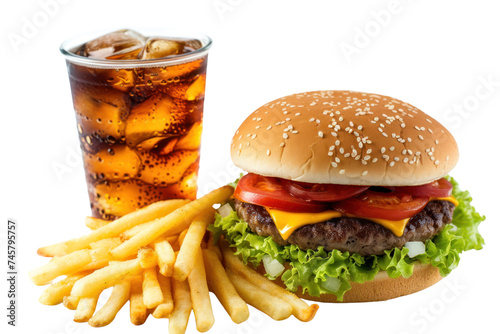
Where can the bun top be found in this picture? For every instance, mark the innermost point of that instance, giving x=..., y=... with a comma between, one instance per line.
x=344, y=137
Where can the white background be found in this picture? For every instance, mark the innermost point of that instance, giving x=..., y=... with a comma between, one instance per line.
x=441, y=56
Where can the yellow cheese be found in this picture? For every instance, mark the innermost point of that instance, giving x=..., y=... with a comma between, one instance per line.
x=286, y=222
x=449, y=199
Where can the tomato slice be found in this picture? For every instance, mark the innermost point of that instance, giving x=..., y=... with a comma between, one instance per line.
x=438, y=188
x=322, y=192
x=392, y=206
x=268, y=191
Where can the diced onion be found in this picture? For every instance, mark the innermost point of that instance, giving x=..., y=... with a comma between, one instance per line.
x=225, y=210
x=331, y=284
x=273, y=267
x=415, y=248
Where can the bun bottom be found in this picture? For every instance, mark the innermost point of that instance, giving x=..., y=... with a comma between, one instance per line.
x=381, y=288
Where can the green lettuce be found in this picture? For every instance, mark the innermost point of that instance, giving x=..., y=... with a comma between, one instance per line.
x=313, y=270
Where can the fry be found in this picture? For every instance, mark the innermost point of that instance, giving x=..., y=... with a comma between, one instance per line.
x=191, y=243
x=60, y=266
x=71, y=302
x=273, y=306
x=220, y=284
x=166, y=256
x=107, y=244
x=135, y=230
x=55, y=293
x=119, y=296
x=138, y=311
x=53, y=250
x=105, y=278
x=147, y=257
x=165, y=308
x=179, y=317
x=172, y=223
x=301, y=310
x=151, y=291
x=115, y=228
x=96, y=223
x=200, y=296
x=86, y=308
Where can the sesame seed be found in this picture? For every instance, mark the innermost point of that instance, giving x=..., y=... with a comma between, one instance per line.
x=420, y=137
x=311, y=119
x=392, y=148
x=285, y=136
x=269, y=127
x=297, y=114
x=382, y=150
x=374, y=160
x=258, y=119
x=364, y=173
x=342, y=171
x=268, y=152
x=320, y=134
x=253, y=136
x=334, y=164
x=282, y=144
x=257, y=127
x=330, y=153
x=391, y=164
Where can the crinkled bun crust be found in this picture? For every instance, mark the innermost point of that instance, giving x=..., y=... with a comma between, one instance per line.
x=344, y=137
x=381, y=288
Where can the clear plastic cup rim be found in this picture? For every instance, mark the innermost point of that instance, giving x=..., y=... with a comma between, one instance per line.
x=73, y=42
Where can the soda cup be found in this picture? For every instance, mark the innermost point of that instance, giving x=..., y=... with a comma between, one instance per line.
x=138, y=99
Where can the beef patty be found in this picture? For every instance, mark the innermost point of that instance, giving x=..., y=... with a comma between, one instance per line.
x=354, y=235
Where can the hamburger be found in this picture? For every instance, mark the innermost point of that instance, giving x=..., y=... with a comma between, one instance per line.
x=347, y=197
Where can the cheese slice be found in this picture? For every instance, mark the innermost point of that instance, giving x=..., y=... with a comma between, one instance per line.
x=287, y=222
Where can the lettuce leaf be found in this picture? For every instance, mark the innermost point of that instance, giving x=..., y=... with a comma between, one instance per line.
x=309, y=269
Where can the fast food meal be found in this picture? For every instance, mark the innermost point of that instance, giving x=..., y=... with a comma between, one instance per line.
x=347, y=197
x=165, y=268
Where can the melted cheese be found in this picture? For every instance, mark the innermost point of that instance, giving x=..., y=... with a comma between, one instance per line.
x=286, y=222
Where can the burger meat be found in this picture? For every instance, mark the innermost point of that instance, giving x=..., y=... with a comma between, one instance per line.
x=354, y=235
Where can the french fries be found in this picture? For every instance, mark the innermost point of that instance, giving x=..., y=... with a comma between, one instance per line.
x=156, y=259
x=220, y=284
x=166, y=256
x=55, y=293
x=191, y=244
x=151, y=290
x=86, y=308
x=165, y=308
x=106, y=277
x=273, y=306
x=301, y=310
x=173, y=223
x=179, y=317
x=138, y=311
x=60, y=266
x=200, y=297
x=119, y=296
x=113, y=229
x=95, y=223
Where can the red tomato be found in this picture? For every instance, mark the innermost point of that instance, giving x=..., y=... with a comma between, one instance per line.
x=393, y=206
x=438, y=188
x=322, y=192
x=268, y=191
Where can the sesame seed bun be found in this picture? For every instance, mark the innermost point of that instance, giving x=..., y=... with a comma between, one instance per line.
x=344, y=137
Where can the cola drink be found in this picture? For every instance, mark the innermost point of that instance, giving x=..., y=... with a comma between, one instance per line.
x=139, y=111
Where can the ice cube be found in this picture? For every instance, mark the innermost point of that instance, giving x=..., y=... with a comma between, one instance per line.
x=117, y=162
x=156, y=117
x=196, y=90
x=166, y=169
x=121, y=44
x=100, y=111
x=187, y=186
x=156, y=48
x=192, y=139
x=115, y=199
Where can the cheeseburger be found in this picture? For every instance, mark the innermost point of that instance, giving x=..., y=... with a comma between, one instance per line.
x=347, y=197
